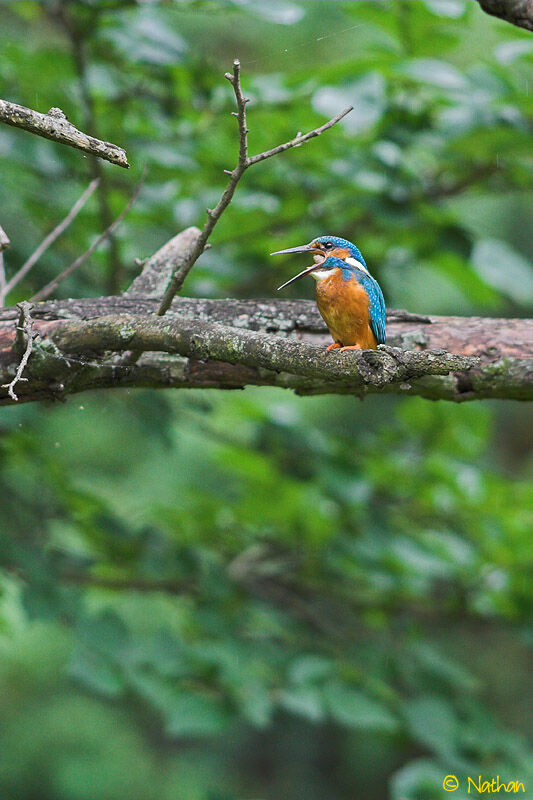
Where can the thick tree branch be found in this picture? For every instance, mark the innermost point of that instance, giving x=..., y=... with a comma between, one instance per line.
x=505, y=347
x=517, y=12
x=55, y=126
x=212, y=341
x=244, y=161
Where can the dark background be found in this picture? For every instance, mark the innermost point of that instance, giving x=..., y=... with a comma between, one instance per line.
x=244, y=595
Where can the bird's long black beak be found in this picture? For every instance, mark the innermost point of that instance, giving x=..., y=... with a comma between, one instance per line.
x=303, y=248
x=300, y=275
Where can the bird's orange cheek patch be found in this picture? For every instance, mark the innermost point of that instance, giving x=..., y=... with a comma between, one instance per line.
x=341, y=252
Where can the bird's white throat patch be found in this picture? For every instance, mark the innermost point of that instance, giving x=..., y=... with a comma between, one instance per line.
x=320, y=274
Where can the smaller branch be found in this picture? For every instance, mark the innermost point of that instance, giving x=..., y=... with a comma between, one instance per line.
x=298, y=140
x=214, y=214
x=24, y=337
x=50, y=239
x=235, y=81
x=244, y=161
x=55, y=126
x=50, y=287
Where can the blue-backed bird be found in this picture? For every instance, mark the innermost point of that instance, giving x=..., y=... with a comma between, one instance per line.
x=349, y=299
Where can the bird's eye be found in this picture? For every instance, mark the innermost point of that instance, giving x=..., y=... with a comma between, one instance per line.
x=328, y=245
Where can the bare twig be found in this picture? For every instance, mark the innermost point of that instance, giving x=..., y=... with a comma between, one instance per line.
x=55, y=126
x=47, y=290
x=244, y=161
x=235, y=81
x=50, y=239
x=298, y=140
x=24, y=338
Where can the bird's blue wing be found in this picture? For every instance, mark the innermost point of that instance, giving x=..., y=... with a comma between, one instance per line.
x=376, y=306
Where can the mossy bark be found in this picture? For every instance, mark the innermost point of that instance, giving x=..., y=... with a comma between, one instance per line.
x=232, y=344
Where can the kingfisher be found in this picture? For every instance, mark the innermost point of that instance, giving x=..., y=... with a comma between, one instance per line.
x=349, y=299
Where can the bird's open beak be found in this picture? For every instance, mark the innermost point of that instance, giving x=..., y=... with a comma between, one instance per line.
x=303, y=248
x=300, y=275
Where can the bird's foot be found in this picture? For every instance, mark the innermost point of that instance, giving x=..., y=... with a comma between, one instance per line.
x=334, y=346
x=351, y=347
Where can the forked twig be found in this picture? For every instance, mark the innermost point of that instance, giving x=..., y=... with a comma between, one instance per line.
x=50, y=239
x=244, y=161
x=24, y=337
x=47, y=290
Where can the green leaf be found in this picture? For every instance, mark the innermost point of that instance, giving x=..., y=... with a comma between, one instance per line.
x=446, y=8
x=186, y=712
x=432, y=723
x=507, y=52
x=279, y=11
x=304, y=701
x=418, y=780
x=149, y=38
x=95, y=671
x=505, y=269
x=256, y=703
x=195, y=715
x=309, y=669
x=437, y=664
x=367, y=95
x=355, y=709
x=438, y=73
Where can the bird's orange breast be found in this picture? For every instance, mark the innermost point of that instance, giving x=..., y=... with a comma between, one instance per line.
x=343, y=306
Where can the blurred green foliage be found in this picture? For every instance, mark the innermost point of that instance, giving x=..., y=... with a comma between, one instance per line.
x=219, y=596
